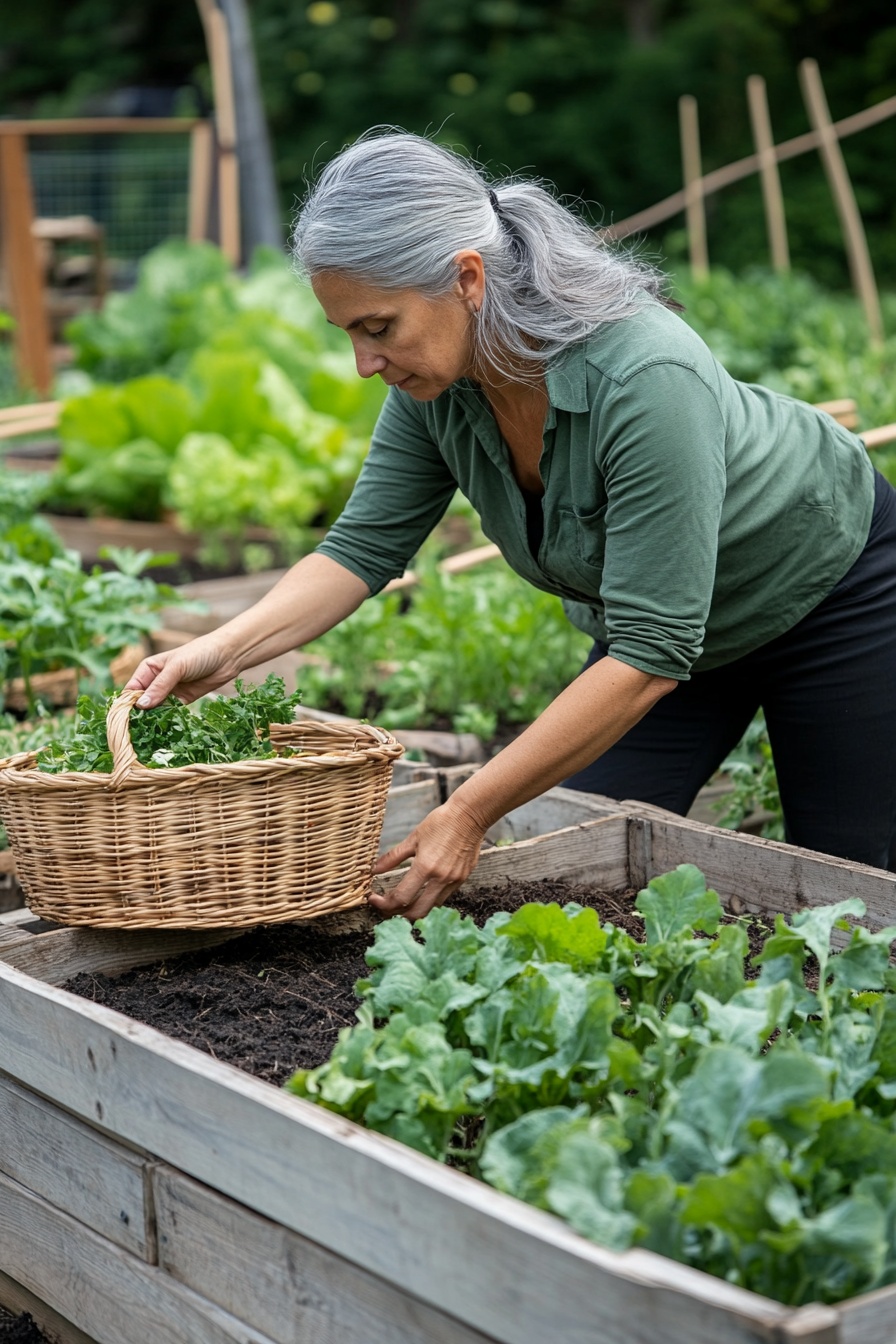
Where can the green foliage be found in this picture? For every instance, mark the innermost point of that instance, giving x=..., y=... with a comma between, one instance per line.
x=754, y=782
x=217, y=730
x=477, y=648
x=53, y=614
x=495, y=76
x=789, y=334
x=648, y=1092
x=236, y=410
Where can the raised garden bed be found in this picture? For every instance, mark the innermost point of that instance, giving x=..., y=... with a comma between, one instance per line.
x=149, y=1191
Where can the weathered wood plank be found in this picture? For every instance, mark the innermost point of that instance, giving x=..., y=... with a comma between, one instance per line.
x=766, y=876
x=18, y=1299
x=591, y=851
x=14, y=935
x=19, y=914
x=296, y=1291
x=406, y=806
x=552, y=811
x=100, y=1288
x=57, y=956
x=817, y=1323
x=440, y=1236
x=76, y=1169
x=870, y=1319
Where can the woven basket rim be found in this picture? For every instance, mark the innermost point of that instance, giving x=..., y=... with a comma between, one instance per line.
x=20, y=770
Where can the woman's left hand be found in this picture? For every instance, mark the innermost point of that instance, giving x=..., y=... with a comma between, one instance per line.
x=445, y=850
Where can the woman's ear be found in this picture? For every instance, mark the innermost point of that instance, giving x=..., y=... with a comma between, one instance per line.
x=470, y=283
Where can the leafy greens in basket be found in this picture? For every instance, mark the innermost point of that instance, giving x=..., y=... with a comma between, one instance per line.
x=217, y=729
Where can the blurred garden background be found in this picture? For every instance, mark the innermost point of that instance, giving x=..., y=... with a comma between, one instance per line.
x=192, y=385
x=583, y=92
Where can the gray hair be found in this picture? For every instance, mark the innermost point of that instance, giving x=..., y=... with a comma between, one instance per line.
x=394, y=209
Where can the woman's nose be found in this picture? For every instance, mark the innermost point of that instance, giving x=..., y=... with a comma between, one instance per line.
x=368, y=363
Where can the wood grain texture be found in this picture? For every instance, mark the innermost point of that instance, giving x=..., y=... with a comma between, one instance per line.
x=552, y=811
x=294, y=1290
x=76, y=1169
x=56, y=957
x=19, y=1299
x=406, y=806
x=870, y=1319
x=110, y=1295
x=766, y=876
x=442, y=1237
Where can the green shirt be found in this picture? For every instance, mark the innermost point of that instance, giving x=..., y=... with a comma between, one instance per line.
x=688, y=517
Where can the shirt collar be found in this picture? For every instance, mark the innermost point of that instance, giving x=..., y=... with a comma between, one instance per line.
x=567, y=380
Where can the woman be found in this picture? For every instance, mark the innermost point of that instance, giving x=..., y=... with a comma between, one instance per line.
x=725, y=546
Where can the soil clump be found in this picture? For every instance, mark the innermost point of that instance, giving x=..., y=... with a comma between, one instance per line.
x=20, y=1329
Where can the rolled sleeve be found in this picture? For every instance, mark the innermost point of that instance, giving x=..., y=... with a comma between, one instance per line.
x=663, y=459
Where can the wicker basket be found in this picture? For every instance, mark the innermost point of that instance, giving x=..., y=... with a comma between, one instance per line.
x=202, y=846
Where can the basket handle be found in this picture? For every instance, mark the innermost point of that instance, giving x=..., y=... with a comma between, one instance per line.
x=124, y=757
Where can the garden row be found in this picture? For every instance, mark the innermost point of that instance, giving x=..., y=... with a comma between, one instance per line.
x=148, y=1191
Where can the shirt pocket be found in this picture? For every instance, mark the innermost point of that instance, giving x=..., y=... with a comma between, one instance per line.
x=582, y=540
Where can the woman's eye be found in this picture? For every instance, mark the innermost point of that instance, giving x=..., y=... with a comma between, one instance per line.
x=381, y=331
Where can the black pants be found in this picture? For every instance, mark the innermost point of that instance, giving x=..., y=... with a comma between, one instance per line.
x=828, y=689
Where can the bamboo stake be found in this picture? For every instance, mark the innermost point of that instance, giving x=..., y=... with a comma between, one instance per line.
x=22, y=265
x=217, y=41
x=693, y=185
x=844, y=197
x=768, y=171
x=877, y=438
x=200, y=190
x=28, y=410
x=98, y=126
x=228, y=165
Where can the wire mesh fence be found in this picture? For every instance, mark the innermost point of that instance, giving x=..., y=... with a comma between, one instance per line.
x=135, y=186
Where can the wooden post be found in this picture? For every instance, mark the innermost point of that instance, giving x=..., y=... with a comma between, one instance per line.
x=22, y=266
x=769, y=175
x=844, y=197
x=218, y=44
x=200, y=181
x=693, y=185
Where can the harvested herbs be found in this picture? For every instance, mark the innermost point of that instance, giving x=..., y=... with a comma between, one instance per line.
x=216, y=730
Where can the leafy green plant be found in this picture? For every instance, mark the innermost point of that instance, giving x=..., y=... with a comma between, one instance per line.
x=216, y=730
x=235, y=405
x=750, y=770
x=477, y=648
x=55, y=615
x=649, y=1092
x=789, y=334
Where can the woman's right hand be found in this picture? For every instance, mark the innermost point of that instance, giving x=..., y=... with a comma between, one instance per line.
x=194, y=669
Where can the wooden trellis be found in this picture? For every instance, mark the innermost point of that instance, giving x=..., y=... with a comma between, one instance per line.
x=213, y=167
x=824, y=137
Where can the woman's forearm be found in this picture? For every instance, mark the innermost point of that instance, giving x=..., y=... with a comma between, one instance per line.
x=584, y=720
x=577, y=727
x=313, y=596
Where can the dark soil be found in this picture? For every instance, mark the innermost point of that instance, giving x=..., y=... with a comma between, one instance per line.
x=20, y=1330
x=275, y=999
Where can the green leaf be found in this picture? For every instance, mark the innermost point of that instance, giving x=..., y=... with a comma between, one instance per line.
x=547, y=933
x=678, y=903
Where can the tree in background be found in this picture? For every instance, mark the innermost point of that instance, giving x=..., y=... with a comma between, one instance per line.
x=582, y=92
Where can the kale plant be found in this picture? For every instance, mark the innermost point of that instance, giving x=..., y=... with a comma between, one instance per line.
x=652, y=1093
